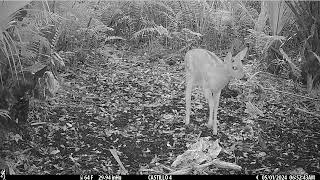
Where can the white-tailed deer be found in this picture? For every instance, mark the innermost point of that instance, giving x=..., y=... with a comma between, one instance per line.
x=204, y=68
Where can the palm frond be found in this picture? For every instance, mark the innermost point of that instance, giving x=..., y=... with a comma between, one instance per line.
x=279, y=14
x=7, y=9
x=262, y=19
x=264, y=41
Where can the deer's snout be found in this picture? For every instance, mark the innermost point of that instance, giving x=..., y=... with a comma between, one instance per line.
x=244, y=78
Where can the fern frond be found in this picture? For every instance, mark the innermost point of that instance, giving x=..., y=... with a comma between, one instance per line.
x=5, y=114
x=113, y=38
x=185, y=30
x=102, y=28
x=144, y=31
x=162, y=30
x=165, y=6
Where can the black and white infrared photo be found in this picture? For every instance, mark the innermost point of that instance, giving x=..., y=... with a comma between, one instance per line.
x=160, y=89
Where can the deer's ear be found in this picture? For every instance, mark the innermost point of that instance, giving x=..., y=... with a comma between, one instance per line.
x=241, y=54
x=228, y=58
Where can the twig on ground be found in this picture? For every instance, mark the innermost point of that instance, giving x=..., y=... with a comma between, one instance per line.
x=306, y=97
x=305, y=111
x=115, y=155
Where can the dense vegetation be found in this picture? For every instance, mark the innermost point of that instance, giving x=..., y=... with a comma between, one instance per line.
x=99, y=87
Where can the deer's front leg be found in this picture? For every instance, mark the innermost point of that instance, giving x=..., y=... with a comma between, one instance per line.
x=210, y=99
x=216, y=98
x=188, y=99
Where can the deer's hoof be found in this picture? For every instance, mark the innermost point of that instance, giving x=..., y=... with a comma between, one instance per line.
x=209, y=125
x=214, y=132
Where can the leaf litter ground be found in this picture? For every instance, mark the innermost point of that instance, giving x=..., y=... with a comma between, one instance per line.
x=137, y=108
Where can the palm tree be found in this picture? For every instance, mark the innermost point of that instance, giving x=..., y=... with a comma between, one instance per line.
x=307, y=16
x=7, y=46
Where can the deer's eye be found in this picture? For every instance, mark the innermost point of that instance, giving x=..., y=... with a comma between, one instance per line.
x=234, y=68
